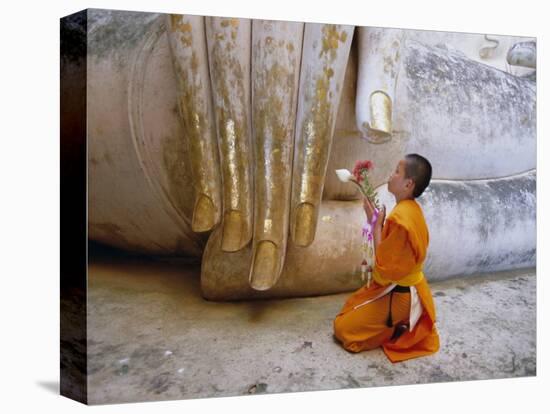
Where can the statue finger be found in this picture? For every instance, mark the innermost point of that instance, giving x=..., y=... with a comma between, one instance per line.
x=275, y=68
x=187, y=41
x=379, y=59
x=229, y=59
x=325, y=54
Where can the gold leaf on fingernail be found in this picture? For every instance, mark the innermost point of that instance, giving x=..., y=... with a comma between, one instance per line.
x=232, y=231
x=381, y=112
x=264, y=272
x=304, y=225
x=204, y=214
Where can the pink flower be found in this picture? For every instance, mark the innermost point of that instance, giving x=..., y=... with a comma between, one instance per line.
x=361, y=175
x=360, y=168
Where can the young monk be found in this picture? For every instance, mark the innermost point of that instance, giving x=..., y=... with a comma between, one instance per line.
x=397, y=311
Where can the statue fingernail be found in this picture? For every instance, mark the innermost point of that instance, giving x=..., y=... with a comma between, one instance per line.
x=264, y=271
x=233, y=231
x=204, y=215
x=304, y=225
x=381, y=111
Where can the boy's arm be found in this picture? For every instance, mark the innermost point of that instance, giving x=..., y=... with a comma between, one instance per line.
x=377, y=231
x=395, y=257
x=370, y=212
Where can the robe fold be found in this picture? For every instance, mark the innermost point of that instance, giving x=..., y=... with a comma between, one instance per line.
x=399, y=259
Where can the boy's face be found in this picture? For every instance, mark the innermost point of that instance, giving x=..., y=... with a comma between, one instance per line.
x=398, y=184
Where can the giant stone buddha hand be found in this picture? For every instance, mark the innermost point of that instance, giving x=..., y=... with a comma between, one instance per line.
x=258, y=101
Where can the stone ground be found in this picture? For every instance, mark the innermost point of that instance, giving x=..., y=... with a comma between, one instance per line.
x=151, y=336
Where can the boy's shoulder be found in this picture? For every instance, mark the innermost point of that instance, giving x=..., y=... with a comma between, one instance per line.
x=407, y=213
x=406, y=207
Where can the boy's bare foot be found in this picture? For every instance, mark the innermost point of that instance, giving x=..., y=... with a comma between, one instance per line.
x=399, y=330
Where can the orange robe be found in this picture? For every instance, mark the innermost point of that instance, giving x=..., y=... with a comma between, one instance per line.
x=399, y=259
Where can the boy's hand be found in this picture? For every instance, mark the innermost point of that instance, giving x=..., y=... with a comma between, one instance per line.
x=381, y=218
x=369, y=208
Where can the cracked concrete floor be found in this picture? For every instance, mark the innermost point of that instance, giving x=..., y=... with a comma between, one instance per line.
x=151, y=336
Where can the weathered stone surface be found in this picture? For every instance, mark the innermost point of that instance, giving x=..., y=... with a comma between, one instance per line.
x=467, y=118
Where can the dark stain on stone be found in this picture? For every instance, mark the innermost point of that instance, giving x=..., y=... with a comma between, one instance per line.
x=123, y=370
x=94, y=367
x=439, y=294
x=439, y=376
x=513, y=368
x=175, y=159
x=160, y=383
x=149, y=357
x=176, y=110
x=114, y=31
x=114, y=233
x=108, y=159
x=108, y=349
x=96, y=358
x=510, y=259
x=530, y=366
x=352, y=382
x=305, y=345
x=258, y=388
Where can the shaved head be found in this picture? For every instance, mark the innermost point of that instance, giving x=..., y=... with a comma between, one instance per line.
x=418, y=169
